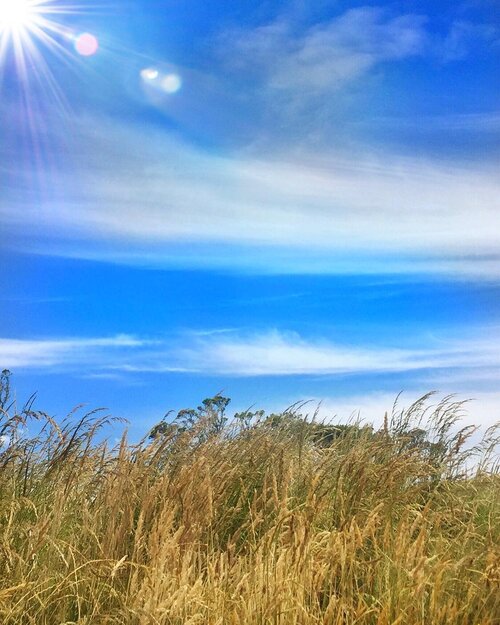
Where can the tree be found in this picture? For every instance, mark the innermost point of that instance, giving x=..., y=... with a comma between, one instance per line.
x=213, y=410
x=207, y=420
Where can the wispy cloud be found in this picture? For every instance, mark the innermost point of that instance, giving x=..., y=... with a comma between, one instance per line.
x=488, y=122
x=464, y=36
x=53, y=353
x=306, y=60
x=277, y=353
x=327, y=55
x=136, y=194
x=238, y=354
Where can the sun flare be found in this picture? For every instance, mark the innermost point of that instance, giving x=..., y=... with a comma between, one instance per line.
x=36, y=38
x=16, y=15
x=20, y=20
x=28, y=26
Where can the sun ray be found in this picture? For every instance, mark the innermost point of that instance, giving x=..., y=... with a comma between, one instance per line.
x=32, y=32
x=26, y=24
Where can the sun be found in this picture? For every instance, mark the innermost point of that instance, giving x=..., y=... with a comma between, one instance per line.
x=24, y=25
x=16, y=15
x=36, y=38
x=30, y=27
x=22, y=19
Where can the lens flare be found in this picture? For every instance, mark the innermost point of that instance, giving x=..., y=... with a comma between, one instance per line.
x=86, y=44
x=162, y=82
x=171, y=83
x=149, y=74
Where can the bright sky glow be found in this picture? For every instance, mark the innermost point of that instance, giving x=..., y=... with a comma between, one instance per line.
x=16, y=15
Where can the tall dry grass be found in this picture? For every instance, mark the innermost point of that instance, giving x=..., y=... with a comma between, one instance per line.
x=256, y=525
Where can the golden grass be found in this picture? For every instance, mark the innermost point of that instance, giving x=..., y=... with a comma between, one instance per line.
x=253, y=526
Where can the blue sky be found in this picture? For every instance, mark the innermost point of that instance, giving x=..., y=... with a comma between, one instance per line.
x=277, y=200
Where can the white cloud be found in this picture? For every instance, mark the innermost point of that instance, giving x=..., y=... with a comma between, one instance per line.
x=324, y=56
x=50, y=353
x=134, y=195
x=276, y=353
x=227, y=353
x=478, y=123
x=482, y=410
x=309, y=60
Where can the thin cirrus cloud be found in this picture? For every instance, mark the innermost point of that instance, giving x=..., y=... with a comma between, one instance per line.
x=309, y=60
x=324, y=56
x=278, y=353
x=55, y=352
x=234, y=354
x=135, y=193
x=479, y=124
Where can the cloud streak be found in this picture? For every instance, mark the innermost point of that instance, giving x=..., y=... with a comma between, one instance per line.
x=134, y=194
x=277, y=353
x=233, y=354
x=308, y=60
x=72, y=352
x=325, y=56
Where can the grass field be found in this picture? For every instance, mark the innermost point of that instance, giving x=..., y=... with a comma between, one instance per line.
x=262, y=521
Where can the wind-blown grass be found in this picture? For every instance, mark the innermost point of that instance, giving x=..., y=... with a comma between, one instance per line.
x=258, y=524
